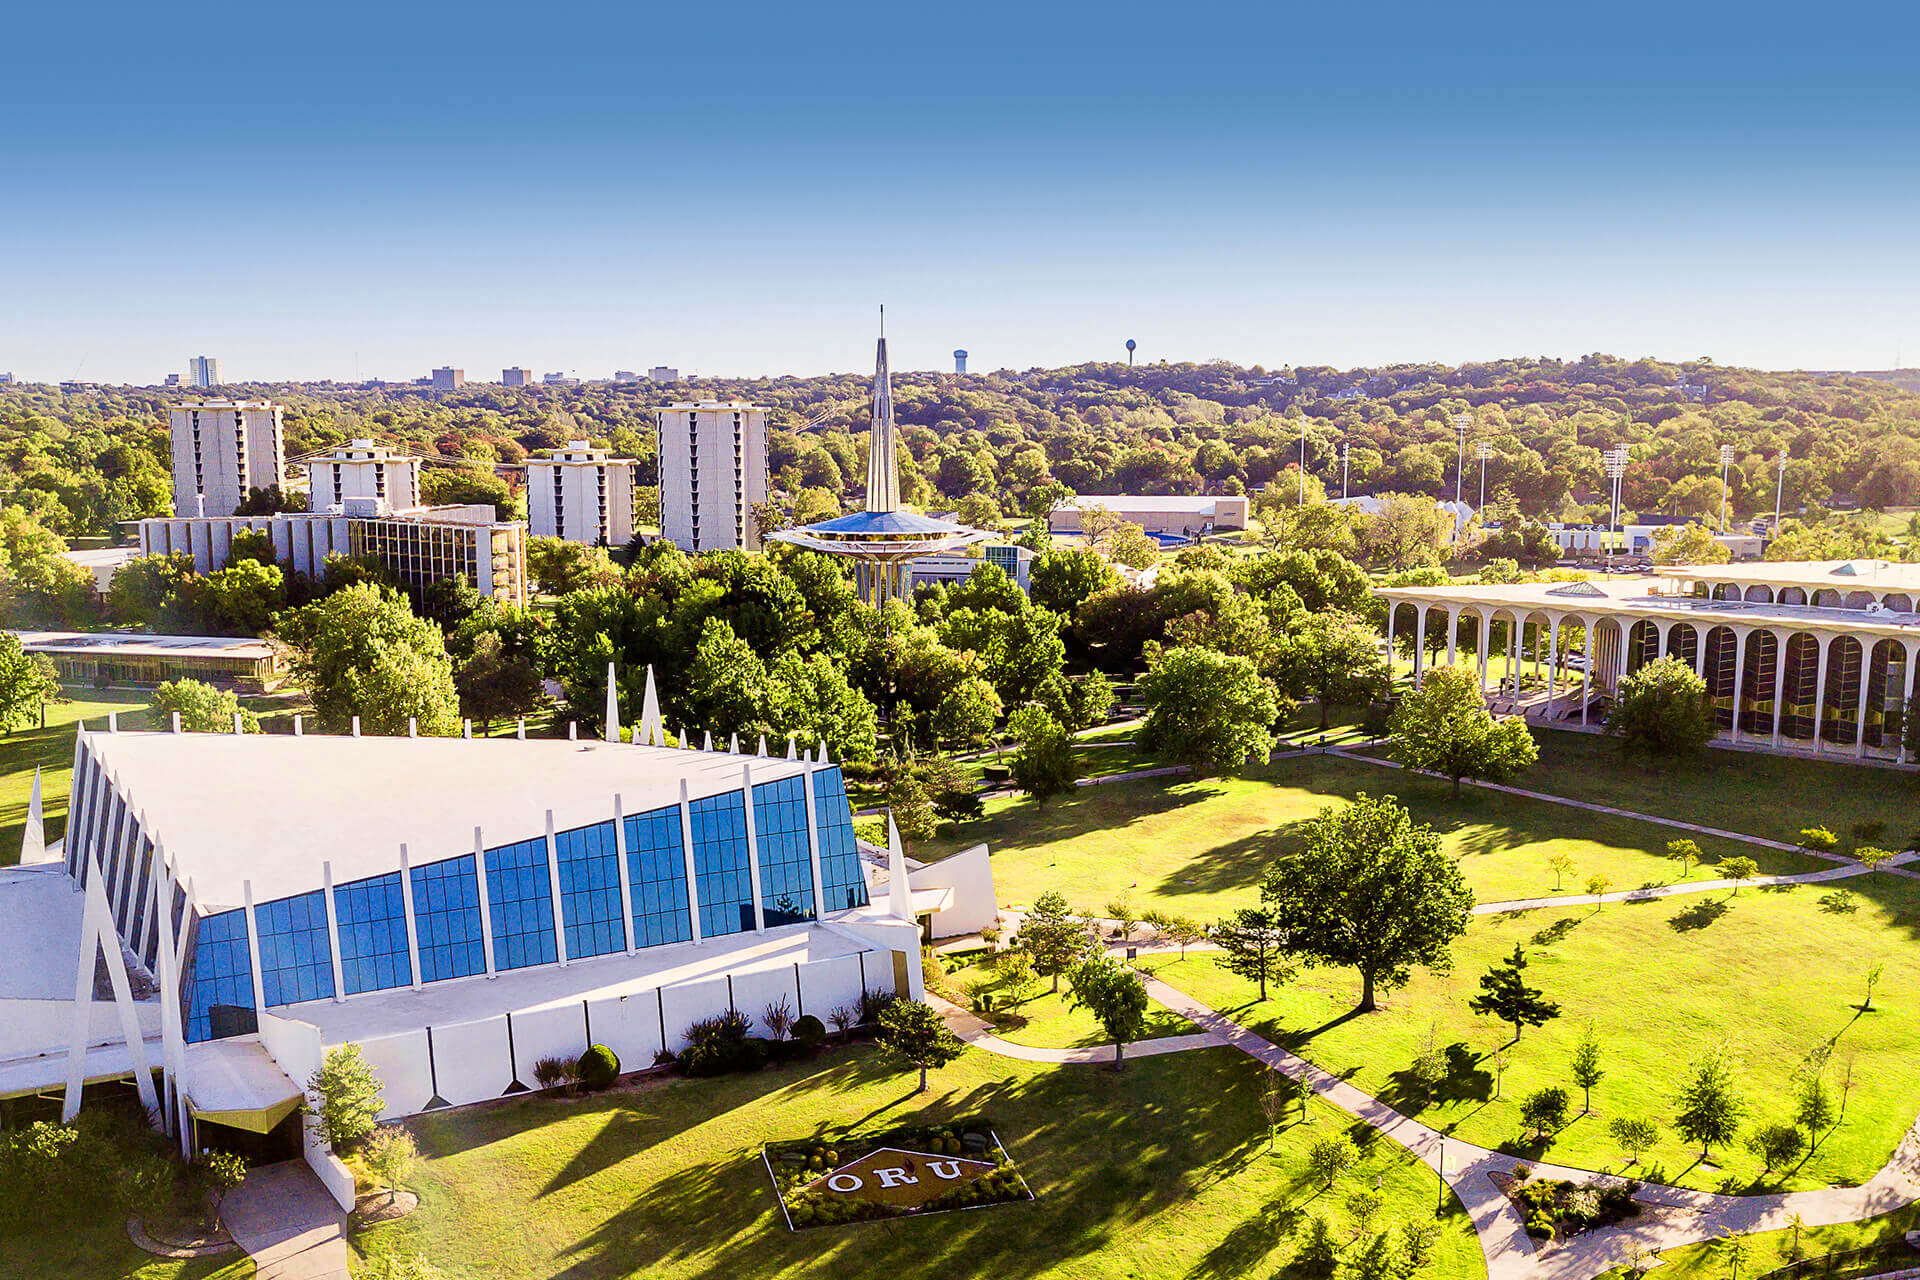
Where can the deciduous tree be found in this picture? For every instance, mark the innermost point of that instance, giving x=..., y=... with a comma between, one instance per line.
x=1116, y=997
x=1253, y=946
x=1662, y=711
x=1444, y=727
x=1206, y=709
x=913, y=1032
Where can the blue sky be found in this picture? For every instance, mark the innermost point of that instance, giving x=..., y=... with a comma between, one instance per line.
x=359, y=189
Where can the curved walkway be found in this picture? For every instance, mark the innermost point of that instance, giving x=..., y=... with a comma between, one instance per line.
x=1675, y=1216
x=288, y=1224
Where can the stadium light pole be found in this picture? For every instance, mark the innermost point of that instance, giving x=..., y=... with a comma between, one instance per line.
x=1779, y=488
x=1616, y=465
x=1726, y=461
x=1346, y=465
x=1303, y=460
x=1461, y=421
x=1485, y=450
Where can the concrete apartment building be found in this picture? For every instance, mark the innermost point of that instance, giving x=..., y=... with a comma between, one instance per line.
x=221, y=449
x=1166, y=514
x=663, y=373
x=713, y=469
x=516, y=377
x=362, y=469
x=582, y=494
x=446, y=379
x=203, y=372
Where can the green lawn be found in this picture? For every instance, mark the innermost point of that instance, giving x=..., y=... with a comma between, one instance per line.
x=1770, y=1249
x=1199, y=847
x=104, y=1253
x=1049, y=1021
x=51, y=749
x=1769, y=974
x=1161, y=1171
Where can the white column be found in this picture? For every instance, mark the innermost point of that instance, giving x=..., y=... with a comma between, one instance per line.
x=1660, y=639
x=626, y=880
x=486, y=907
x=813, y=843
x=253, y=951
x=1820, y=696
x=1419, y=641
x=1392, y=607
x=1513, y=652
x=1699, y=650
x=406, y=904
x=753, y=848
x=553, y=884
x=1860, y=719
x=686, y=844
x=333, y=933
x=1906, y=700
x=1739, y=675
x=1553, y=660
x=1480, y=643
x=1780, y=645
x=1453, y=631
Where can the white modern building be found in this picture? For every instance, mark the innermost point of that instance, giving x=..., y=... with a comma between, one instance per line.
x=713, y=470
x=516, y=377
x=420, y=546
x=362, y=469
x=204, y=372
x=449, y=379
x=1181, y=514
x=478, y=906
x=956, y=567
x=1458, y=514
x=582, y=494
x=661, y=373
x=221, y=449
x=1813, y=656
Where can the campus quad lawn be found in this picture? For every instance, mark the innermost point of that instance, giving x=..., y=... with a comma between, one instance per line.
x=1160, y=1172
x=102, y=1252
x=1199, y=847
x=1048, y=1021
x=1768, y=973
x=51, y=749
x=1770, y=1249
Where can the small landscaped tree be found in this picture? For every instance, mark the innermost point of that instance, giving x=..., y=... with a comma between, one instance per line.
x=913, y=1032
x=1429, y=1066
x=344, y=1095
x=1662, y=711
x=1875, y=971
x=1561, y=864
x=1813, y=1105
x=1739, y=870
x=1444, y=727
x=1818, y=840
x=1252, y=946
x=1206, y=709
x=1117, y=999
x=1504, y=994
x=1597, y=886
x=1586, y=1069
x=1329, y=1157
x=1319, y=1253
x=1544, y=1111
x=1279, y=1094
x=1635, y=1136
x=1183, y=932
x=1053, y=936
x=1735, y=1248
x=1709, y=1103
x=1371, y=890
x=202, y=708
x=218, y=1172
x=390, y=1154
x=1686, y=853
x=1777, y=1145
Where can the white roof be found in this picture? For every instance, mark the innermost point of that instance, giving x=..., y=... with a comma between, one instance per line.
x=40, y=920
x=133, y=645
x=1200, y=504
x=1841, y=575
x=270, y=808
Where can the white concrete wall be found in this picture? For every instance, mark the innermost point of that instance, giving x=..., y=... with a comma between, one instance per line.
x=471, y=1059
x=753, y=992
x=827, y=984
x=400, y=1061
x=295, y=1045
x=688, y=1002
x=629, y=1027
x=559, y=1031
x=969, y=874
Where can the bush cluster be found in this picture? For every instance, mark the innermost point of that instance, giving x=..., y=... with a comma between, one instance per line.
x=1558, y=1206
x=798, y=1164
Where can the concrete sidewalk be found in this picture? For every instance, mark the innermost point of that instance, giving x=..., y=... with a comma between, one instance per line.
x=288, y=1224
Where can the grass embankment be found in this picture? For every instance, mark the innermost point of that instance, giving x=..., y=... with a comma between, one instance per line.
x=1769, y=974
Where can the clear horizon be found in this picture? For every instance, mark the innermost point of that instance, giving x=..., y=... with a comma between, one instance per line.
x=370, y=191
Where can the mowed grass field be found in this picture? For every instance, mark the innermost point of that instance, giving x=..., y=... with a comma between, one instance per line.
x=1161, y=1172
x=1199, y=847
x=1049, y=1020
x=103, y=1252
x=1767, y=974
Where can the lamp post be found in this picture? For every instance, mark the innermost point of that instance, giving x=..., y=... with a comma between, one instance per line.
x=1726, y=460
x=1346, y=465
x=1616, y=465
x=1779, y=487
x=1485, y=450
x=1461, y=421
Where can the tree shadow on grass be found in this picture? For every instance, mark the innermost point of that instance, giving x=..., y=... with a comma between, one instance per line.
x=1233, y=864
x=1699, y=915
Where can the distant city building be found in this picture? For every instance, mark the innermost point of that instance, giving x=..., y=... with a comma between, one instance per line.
x=559, y=380
x=221, y=449
x=957, y=567
x=516, y=377
x=1171, y=514
x=173, y=380
x=362, y=469
x=445, y=379
x=421, y=546
x=74, y=384
x=118, y=660
x=661, y=373
x=959, y=361
x=203, y=372
x=625, y=375
x=6, y=379
x=1458, y=513
x=713, y=469
x=582, y=494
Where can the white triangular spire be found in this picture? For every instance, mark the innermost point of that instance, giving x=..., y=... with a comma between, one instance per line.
x=733, y=745
x=612, y=730
x=763, y=746
x=899, y=896
x=792, y=750
x=883, y=467
x=707, y=744
x=33, y=841
x=821, y=755
x=650, y=727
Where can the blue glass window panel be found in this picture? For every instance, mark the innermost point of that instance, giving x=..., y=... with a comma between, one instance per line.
x=138, y=889
x=841, y=882
x=296, y=962
x=657, y=875
x=720, y=864
x=372, y=916
x=220, y=979
x=786, y=864
x=590, y=890
x=446, y=920
x=520, y=898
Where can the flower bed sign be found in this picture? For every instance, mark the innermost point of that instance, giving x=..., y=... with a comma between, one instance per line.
x=833, y=1179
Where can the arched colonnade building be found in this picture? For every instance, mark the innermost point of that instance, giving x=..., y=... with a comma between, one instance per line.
x=1809, y=656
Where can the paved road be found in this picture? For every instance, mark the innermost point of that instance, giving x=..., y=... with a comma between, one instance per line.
x=288, y=1224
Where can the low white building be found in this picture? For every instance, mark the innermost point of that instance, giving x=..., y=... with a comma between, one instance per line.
x=582, y=494
x=956, y=567
x=1458, y=513
x=362, y=469
x=1179, y=514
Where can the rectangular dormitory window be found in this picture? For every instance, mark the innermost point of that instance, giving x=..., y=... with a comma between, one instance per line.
x=296, y=963
x=219, y=981
x=720, y=862
x=521, y=900
x=840, y=880
x=446, y=920
x=786, y=864
x=590, y=890
x=657, y=875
